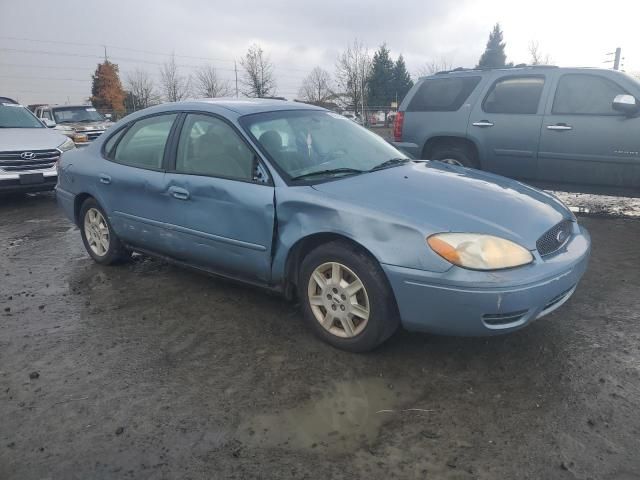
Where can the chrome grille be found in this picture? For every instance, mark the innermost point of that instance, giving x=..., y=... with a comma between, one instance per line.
x=12, y=162
x=554, y=238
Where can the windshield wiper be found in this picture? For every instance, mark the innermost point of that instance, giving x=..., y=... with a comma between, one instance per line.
x=331, y=171
x=392, y=162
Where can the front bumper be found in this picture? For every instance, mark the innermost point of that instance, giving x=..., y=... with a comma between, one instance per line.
x=13, y=183
x=471, y=303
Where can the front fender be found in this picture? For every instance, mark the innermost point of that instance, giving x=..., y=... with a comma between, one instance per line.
x=303, y=212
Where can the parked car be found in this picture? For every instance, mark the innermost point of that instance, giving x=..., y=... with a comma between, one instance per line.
x=81, y=123
x=573, y=127
x=28, y=150
x=302, y=201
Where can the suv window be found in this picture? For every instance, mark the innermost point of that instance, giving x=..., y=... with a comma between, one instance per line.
x=143, y=143
x=584, y=94
x=210, y=146
x=514, y=95
x=442, y=94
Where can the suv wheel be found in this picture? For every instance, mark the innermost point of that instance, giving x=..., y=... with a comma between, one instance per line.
x=459, y=155
x=97, y=235
x=346, y=299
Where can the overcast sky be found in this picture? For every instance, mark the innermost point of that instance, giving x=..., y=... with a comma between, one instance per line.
x=298, y=35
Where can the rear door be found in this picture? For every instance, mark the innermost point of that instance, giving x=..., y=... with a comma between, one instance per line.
x=220, y=200
x=505, y=124
x=130, y=182
x=584, y=140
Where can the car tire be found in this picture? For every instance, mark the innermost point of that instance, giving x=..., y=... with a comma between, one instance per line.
x=460, y=155
x=336, y=311
x=98, y=236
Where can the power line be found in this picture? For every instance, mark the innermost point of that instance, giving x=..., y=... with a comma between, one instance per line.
x=147, y=52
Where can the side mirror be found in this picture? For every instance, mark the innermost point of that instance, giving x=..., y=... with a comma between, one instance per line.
x=626, y=104
x=48, y=122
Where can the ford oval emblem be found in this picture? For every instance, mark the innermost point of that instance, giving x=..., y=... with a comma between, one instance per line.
x=561, y=236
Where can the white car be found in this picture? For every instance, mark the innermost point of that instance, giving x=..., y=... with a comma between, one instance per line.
x=28, y=150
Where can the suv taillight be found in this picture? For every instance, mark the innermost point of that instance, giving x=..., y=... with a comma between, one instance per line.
x=397, y=126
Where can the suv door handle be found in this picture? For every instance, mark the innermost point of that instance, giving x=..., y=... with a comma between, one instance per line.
x=483, y=123
x=559, y=127
x=106, y=179
x=179, y=193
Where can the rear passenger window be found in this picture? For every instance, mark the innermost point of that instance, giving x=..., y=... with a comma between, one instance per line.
x=581, y=94
x=143, y=144
x=442, y=94
x=516, y=95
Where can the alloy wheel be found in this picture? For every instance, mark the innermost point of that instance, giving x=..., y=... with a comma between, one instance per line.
x=338, y=300
x=96, y=232
x=452, y=161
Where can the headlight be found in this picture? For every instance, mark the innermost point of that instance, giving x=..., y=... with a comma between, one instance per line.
x=479, y=252
x=67, y=145
x=79, y=138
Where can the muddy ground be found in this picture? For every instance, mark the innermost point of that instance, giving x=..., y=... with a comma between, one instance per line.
x=149, y=371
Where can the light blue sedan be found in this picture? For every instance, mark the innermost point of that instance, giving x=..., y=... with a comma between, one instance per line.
x=302, y=201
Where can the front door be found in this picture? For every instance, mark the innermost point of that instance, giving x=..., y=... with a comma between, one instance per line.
x=220, y=201
x=584, y=140
x=506, y=125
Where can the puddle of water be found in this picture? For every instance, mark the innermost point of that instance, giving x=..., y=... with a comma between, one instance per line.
x=341, y=418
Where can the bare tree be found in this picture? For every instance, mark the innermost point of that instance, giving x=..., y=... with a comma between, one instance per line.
x=175, y=87
x=441, y=64
x=258, y=79
x=316, y=87
x=352, y=71
x=209, y=85
x=537, y=58
x=142, y=89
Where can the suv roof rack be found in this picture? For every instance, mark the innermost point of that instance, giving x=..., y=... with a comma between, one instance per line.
x=486, y=69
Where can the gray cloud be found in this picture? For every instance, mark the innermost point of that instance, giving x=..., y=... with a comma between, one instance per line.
x=297, y=35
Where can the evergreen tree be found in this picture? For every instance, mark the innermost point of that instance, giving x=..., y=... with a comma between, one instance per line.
x=494, y=56
x=402, y=82
x=106, y=91
x=381, y=84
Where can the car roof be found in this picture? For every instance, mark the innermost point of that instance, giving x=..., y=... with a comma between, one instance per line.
x=7, y=100
x=246, y=106
x=518, y=69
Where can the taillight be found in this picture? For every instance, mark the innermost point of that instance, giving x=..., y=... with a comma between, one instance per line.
x=397, y=126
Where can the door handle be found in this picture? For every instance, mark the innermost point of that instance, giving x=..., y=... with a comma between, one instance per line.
x=559, y=127
x=483, y=123
x=106, y=179
x=179, y=193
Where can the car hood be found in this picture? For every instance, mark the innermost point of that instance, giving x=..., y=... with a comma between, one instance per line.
x=443, y=198
x=25, y=139
x=83, y=126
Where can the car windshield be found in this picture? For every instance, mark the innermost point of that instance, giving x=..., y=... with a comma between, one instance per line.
x=13, y=115
x=312, y=144
x=76, y=115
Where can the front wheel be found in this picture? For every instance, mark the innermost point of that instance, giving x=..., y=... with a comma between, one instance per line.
x=346, y=298
x=97, y=235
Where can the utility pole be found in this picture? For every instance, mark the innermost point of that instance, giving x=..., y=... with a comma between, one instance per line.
x=616, y=61
x=105, y=54
x=235, y=68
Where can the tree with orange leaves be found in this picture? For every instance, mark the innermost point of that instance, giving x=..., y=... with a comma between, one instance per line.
x=107, y=92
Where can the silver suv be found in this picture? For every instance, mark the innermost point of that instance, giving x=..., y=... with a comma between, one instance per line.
x=28, y=150
x=81, y=123
x=572, y=128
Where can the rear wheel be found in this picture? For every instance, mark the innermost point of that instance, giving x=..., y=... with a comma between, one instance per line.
x=98, y=237
x=459, y=155
x=346, y=299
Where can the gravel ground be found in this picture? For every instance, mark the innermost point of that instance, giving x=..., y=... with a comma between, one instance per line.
x=149, y=371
